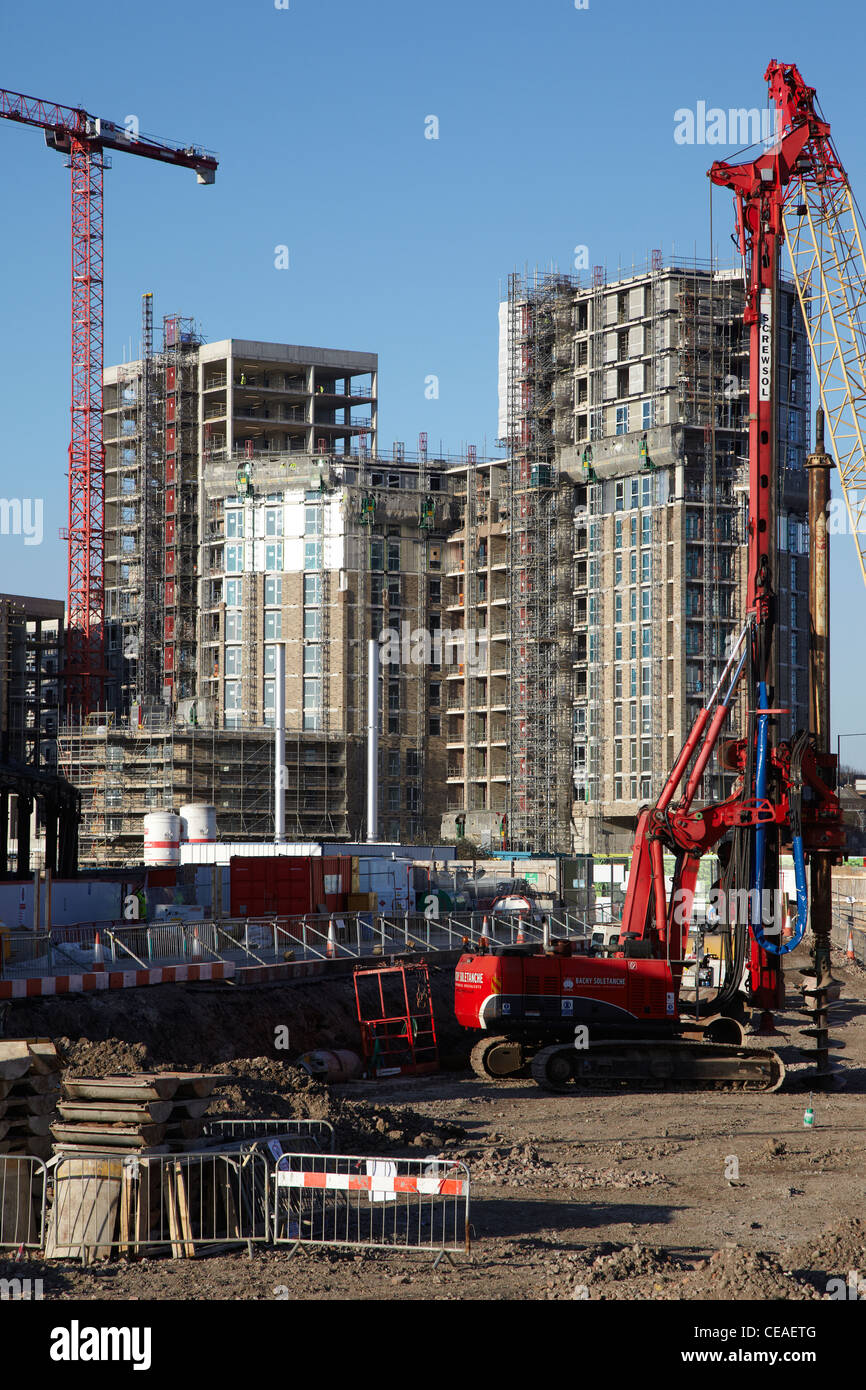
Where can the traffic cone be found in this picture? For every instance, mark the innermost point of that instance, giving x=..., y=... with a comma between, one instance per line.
x=98, y=956
x=849, y=950
x=331, y=948
x=196, y=944
x=521, y=938
x=788, y=928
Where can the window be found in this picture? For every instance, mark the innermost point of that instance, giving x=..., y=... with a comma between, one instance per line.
x=377, y=589
x=646, y=723
x=617, y=533
x=234, y=522
x=273, y=590
x=646, y=529
x=270, y=661
x=646, y=415
x=313, y=624
x=270, y=701
x=617, y=646
x=646, y=642
x=646, y=485
x=617, y=683
x=233, y=661
x=394, y=590
x=617, y=721
x=312, y=522
x=435, y=590
x=312, y=590
x=435, y=726
x=617, y=789
x=234, y=592
x=617, y=608
x=312, y=555
x=632, y=530
x=233, y=696
x=273, y=521
x=435, y=693
x=645, y=605
x=617, y=757
x=312, y=703
x=646, y=755
x=632, y=645
x=632, y=567
x=377, y=553
x=234, y=627
x=632, y=606
x=620, y=500
x=617, y=569
x=234, y=559
x=312, y=661
x=646, y=677
x=645, y=566
x=632, y=683
x=394, y=694
x=622, y=419
x=273, y=625
x=393, y=555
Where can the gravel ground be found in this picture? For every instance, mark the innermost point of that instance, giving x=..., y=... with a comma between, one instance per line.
x=610, y=1197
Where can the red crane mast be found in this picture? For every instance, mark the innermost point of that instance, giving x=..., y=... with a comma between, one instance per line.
x=84, y=139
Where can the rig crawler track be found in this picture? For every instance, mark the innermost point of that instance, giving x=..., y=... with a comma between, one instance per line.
x=652, y=1065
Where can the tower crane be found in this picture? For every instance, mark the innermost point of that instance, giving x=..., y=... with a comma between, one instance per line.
x=84, y=139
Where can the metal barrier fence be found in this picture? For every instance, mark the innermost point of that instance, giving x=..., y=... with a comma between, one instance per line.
x=23, y=1188
x=263, y=940
x=371, y=1203
x=121, y=1204
x=317, y=1134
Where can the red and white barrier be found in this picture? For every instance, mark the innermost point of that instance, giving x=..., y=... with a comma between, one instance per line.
x=113, y=979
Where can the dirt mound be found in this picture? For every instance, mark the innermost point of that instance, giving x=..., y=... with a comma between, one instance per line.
x=521, y=1165
x=81, y=1057
x=735, y=1273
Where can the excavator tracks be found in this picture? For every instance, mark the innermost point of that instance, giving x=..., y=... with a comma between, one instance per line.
x=652, y=1065
x=499, y=1059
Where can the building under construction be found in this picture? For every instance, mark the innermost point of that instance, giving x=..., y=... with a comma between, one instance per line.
x=606, y=557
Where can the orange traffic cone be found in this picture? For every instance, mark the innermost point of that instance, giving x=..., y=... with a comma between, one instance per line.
x=331, y=948
x=521, y=938
x=483, y=942
x=849, y=950
x=98, y=956
x=196, y=944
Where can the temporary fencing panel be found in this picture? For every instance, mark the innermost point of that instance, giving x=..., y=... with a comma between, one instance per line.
x=310, y=1134
x=22, y=1201
x=111, y=1204
x=372, y=1203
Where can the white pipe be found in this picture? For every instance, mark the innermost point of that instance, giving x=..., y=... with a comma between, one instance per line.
x=372, y=741
x=280, y=747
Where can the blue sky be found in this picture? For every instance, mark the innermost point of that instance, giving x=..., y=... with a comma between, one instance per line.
x=555, y=130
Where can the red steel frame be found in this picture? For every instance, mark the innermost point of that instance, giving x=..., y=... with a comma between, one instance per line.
x=83, y=138
x=392, y=1035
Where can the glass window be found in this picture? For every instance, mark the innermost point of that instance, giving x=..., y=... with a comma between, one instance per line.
x=274, y=555
x=312, y=703
x=632, y=681
x=234, y=592
x=312, y=661
x=617, y=720
x=313, y=517
x=617, y=683
x=312, y=590
x=632, y=530
x=313, y=624
x=270, y=688
x=645, y=566
x=393, y=555
x=646, y=487
x=273, y=625
x=622, y=419
x=617, y=646
x=312, y=555
x=270, y=660
x=233, y=661
x=234, y=559
x=617, y=608
x=234, y=627
x=273, y=521
x=617, y=569
x=393, y=762
x=394, y=593
x=632, y=646
x=646, y=722
x=620, y=498
x=647, y=415
x=233, y=695
x=273, y=590
x=435, y=693
x=632, y=606
x=645, y=605
x=632, y=567
x=646, y=642
x=377, y=553
x=632, y=718
x=634, y=489
x=646, y=755
x=234, y=521
x=646, y=529
x=646, y=676
x=617, y=533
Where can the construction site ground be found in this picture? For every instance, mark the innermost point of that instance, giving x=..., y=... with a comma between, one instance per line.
x=575, y=1195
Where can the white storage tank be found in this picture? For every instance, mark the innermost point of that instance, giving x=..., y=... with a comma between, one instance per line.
x=161, y=840
x=198, y=823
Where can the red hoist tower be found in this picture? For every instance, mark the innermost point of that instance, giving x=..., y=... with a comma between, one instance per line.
x=84, y=140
